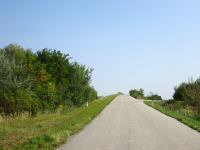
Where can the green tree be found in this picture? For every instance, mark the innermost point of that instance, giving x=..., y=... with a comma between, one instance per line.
x=139, y=94
x=15, y=94
x=80, y=80
x=58, y=66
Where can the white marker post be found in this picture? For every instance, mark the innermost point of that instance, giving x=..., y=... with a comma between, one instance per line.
x=152, y=103
x=87, y=104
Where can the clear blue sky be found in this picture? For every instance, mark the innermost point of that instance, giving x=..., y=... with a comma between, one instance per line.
x=152, y=44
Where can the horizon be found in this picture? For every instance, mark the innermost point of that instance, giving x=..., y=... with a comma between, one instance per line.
x=130, y=44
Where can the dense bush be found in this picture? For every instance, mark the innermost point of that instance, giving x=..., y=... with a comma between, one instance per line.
x=41, y=81
x=189, y=93
x=139, y=94
x=154, y=97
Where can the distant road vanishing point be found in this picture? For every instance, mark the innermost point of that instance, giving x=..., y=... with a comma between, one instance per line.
x=129, y=124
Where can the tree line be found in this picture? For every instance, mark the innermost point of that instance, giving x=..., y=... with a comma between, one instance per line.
x=139, y=94
x=41, y=81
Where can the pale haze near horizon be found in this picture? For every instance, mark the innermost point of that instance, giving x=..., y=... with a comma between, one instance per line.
x=154, y=45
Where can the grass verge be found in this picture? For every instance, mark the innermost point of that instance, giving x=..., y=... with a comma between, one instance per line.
x=47, y=131
x=189, y=121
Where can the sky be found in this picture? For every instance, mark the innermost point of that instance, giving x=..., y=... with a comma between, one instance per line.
x=149, y=44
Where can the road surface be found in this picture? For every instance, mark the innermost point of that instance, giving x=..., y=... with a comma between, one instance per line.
x=128, y=124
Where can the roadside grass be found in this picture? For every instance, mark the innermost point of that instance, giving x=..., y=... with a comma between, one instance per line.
x=47, y=131
x=187, y=120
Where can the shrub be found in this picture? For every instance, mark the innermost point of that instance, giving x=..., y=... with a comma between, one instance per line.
x=154, y=97
x=188, y=92
x=139, y=94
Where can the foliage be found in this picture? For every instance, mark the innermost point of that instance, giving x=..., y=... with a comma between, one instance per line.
x=41, y=81
x=15, y=94
x=139, y=94
x=188, y=91
x=154, y=97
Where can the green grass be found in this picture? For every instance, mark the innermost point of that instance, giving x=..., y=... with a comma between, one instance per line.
x=47, y=131
x=187, y=120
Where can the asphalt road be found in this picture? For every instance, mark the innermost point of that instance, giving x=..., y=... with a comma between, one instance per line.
x=128, y=124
